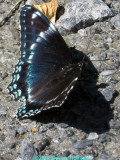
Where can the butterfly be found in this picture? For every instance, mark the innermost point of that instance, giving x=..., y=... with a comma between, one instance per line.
x=45, y=73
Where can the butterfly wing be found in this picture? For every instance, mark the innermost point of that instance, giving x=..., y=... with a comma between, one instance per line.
x=44, y=74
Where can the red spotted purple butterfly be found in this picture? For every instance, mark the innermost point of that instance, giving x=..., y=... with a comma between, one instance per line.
x=45, y=73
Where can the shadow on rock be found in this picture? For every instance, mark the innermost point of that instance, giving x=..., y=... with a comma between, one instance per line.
x=85, y=108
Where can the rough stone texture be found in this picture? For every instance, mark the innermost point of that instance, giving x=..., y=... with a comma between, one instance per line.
x=28, y=150
x=82, y=144
x=81, y=13
x=108, y=93
x=116, y=21
x=87, y=110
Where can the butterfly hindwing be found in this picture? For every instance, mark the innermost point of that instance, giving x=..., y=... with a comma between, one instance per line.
x=44, y=74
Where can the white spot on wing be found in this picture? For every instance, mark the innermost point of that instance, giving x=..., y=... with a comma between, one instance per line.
x=11, y=88
x=28, y=7
x=38, y=13
x=24, y=45
x=32, y=53
x=19, y=92
x=25, y=36
x=19, y=68
x=17, y=76
x=38, y=39
x=41, y=34
x=15, y=94
x=31, y=56
x=25, y=28
x=32, y=46
x=29, y=90
x=34, y=16
x=52, y=26
x=15, y=86
x=24, y=52
x=30, y=98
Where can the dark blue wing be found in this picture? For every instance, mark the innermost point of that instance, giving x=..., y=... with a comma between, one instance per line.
x=44, y=74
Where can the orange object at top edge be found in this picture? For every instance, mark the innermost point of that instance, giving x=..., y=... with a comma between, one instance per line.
x=48, y=9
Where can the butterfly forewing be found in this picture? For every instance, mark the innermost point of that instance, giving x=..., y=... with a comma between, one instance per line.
x=44, y=74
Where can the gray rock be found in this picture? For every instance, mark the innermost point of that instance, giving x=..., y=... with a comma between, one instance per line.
x=70, y=133
x=108, y=72
x=112, y=80
x=42, y=129
x=112, y=54
x=28, y=150
x=103, y=54
x=2, y=111
x=92, y=136
x=82, y=32
x=108, y=93
x=63, y=125
x=20, y=130
x=51, y=125
x=115, y=124
x=109, y=40
x=80, y=13
x=6, y=157
x=105, y=137
x=12, y=145
x=105, y=156
x=116, y=21
x=82, y=144
x=43, y=144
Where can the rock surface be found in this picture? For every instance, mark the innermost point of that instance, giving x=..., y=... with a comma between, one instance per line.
x=79, y=14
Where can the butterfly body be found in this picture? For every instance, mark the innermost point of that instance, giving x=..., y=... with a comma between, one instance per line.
x=45, y=73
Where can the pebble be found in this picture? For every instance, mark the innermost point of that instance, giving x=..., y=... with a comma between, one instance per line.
x=2, y=137
x=82, y=144
x=63, y=125
x=41, y=146
x=115, y=124
x=106, y=46
x=108, y=72
x=6, y=157
x=112, y=80
x=70, y=133
x=106, y=156
x=35, y=129
x=12, y=145
x=42, y=129
x=51, y=125
x=82, y=32
x=2, y=111
x=103, y=54
x=108, y=93
x=116, y=21
x=92, y=136
x=28, y=150
x=112, y=54
x=109, y=40
x=21, y=130
x=103, y=138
